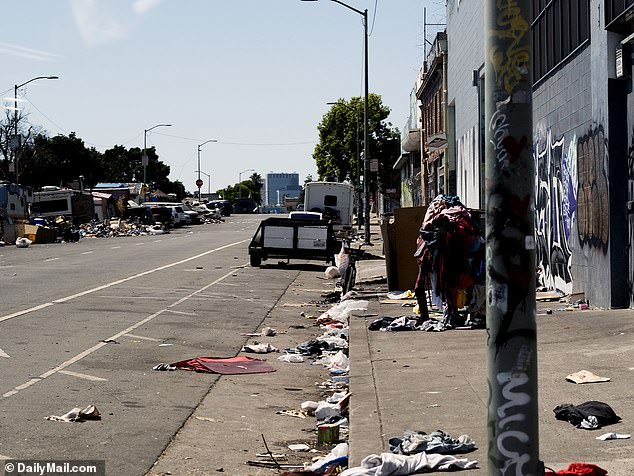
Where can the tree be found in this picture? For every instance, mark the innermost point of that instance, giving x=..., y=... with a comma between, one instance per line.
x=336, y=153
x=58, y=161
x=307, y=179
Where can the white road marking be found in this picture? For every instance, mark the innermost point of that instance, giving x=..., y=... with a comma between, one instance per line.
x=124, y=332
x=25, y=311
x=115, y=247
x=87, y=252
x=84, y=376
x=157, y=241
x=51, y=259
x=134, y=336
x=4, y=354
x=114, y=283
x=139, y=244
x=193, y=314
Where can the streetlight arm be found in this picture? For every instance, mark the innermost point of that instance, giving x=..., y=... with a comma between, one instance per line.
x=158, y=125
x=18, y=86
x=206, y=142
x=351, y=8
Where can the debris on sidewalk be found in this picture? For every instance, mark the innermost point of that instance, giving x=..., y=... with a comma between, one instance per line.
x=257, y=348
x=585, y=376
x=579, y=469
x=403, y=465
x=299, y=447
x=613, y=436
x=589, y=415
x=397, y=295
x=292, y=413
x=332, y=272
x=164, y=367
x=338, y=456
x=78, y=415
x=291, y=358
x=451, y=254
x=22, y=242
x=225, y=365
x=436, y=442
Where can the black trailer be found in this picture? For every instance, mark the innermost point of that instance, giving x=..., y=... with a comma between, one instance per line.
x=288, y=238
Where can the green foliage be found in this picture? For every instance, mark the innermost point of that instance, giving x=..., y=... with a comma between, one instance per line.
x=336, y=153
x=60, y=160
x=247, y=188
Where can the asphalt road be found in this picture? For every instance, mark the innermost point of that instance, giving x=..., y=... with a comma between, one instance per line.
x=151, y=299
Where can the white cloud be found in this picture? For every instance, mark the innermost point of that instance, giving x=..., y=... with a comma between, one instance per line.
x=144, y=6
x=96, y=21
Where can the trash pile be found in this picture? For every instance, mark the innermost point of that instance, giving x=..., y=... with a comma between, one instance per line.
x=451, y=259
x=330, y=350
x=119, y=227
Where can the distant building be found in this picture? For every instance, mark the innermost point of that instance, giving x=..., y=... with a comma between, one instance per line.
x=281, y=185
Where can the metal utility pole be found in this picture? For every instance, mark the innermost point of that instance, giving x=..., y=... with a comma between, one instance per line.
x=510, y=240
x=16, y=138
x=366, y=155
x=144, y=156
x=199, y=182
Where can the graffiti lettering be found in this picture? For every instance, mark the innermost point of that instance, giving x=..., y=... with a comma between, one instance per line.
x=555, y=207
x=510, y=64
x=499, y=126
x=509, y=413
x=593, y=201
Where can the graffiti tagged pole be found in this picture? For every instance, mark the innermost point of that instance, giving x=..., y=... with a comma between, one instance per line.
x=510, y=180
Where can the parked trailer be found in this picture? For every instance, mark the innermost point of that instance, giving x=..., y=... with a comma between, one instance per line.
x=288, y=238
x=335, y=200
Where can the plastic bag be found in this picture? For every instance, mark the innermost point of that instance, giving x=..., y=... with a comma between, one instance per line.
x=332, y=272
x=291, y=358
x=342, y=260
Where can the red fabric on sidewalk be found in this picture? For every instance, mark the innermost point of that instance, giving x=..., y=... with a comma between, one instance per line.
x=226, y=365
x=579, y=469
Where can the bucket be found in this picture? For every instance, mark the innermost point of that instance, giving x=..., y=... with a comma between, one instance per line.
x=327, y=434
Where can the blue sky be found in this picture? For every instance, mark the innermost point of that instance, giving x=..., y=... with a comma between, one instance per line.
x=255, y=75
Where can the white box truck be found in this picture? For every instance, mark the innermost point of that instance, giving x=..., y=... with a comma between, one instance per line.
x=335, y=200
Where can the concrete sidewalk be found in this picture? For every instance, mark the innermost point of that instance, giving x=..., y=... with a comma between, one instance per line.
x=428, y=381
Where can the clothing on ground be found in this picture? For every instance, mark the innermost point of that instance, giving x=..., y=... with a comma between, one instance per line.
x=588, y=415
x=579, y=469
x=388, y=464
x=436, y=442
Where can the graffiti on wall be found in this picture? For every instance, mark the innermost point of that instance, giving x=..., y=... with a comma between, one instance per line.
x=555, y=207
x=593, y=212
x=571, y=186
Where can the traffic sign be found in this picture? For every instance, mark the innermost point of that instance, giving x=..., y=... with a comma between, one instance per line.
x=199, y=183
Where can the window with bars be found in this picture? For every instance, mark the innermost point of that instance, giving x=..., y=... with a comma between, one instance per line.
x=614, y=9
x=558, y=28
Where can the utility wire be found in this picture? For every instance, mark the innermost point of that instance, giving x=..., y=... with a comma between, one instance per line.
x=235, y=143
x=373, y=17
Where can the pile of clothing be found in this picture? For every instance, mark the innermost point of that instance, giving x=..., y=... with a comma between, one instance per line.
x=451, y=257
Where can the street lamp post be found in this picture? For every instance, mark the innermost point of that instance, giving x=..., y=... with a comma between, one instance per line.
x=366, y=156
x=208, y=184
x=356, y=185
x=15, y=119
x=240, y=181
x=198, y=182
x=144, y=157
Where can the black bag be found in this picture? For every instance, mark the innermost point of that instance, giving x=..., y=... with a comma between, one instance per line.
x=576, y=414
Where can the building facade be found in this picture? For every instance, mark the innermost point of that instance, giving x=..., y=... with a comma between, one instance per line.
x=281, y=185
x=583, y=137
